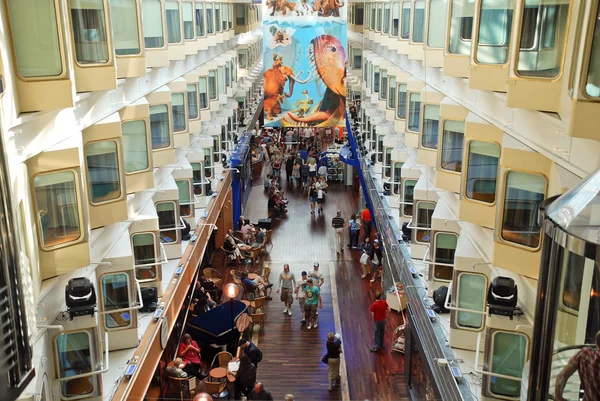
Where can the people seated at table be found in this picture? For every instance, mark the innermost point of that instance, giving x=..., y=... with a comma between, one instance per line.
x=245, y=377
x=259, y=392
x=247, y=230
x=259, y=238
x=275, y=206
x=189, y=352
x=256, y=285
x=210, y=287
x=179, y=368
x=235, y=246
x=204, y=301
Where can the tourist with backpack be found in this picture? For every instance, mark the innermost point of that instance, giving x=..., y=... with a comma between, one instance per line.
x=251, y=350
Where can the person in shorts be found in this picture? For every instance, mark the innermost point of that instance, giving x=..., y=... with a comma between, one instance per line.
x=287, y=282
x=313, y=302
x=301, y=294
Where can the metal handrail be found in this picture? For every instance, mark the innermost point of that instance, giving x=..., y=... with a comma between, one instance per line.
x=448, y=306
x=96, y=372
x=485, y=372
x=140, y=304
x=409, y=225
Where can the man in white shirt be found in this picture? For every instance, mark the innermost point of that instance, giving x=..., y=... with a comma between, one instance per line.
x=301, y=294
x=317, y=277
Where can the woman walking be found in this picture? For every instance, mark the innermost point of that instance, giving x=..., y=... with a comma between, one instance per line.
x=334, y=349
x=296, y=175
x=313, y=193
x=365, y=257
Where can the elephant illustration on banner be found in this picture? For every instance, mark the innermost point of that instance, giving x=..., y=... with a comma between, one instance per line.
x=275, y=79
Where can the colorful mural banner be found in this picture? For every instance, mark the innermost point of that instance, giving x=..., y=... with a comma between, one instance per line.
x=304, y=63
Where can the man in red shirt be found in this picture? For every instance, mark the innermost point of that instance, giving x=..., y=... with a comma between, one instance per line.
x=367, y=222
x=587, y=363
x=379, y=310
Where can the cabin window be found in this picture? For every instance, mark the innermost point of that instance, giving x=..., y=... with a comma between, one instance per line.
x=115, y=295
x=452, y=145
x=372, y=12
x=203, y=91
x=386, y=18
x=159, y=126
x=217, y=7
x=470, y=294
x=379, y=149
x=144, y=255
x=230, y=18
x=102, y=160
x=178, y=110
x=167, y=222
x=90, y=38
x=216, y=149
x=495, y=25
x=240, y=15
x=243, y=59
x=592, y=87
x=444, y=249
x=508, y=355
x=224, y=17
x=395, y=19
x=391, y=103
x=185, y=198
x=379, y=16
x=192, y=101
x=405, y=25
x=359, y=15
x=522, y=198
x=397, y=177
x=57, y=208
x=376, y=79
x=135, y=149
x=197, y=178
x=208, y=166
x=34, y=26
x=482, y=171
x=422, y=221
x=387, y=162
x=436, y=28
x=188, y=20
x=152, y=23
x=414, y=113
x=383, y=85
x=431, y=125
x=173, y=22
x=418, y=22
x=124, y=18
x=200, y=28
x=401, y=105
x=212, y=84
x=461, y=27
x=75, y=357
x=210, y=27
x=357, y=58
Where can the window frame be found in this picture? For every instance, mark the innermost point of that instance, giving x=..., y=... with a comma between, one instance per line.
x=476, y=43
x=588, y=38
x=441, y=145
x=201, y=3
x=109, y=38
x=422, y=127
x=399, y=90
x=433, y=262
x=185, y=113
x=191, y=203
x=169, y=127
x=148, y=146
x=120, y=168
x=391, y=93
x=157, y=257
x=456, y=280
x=197, y=91
x=93, y=345
x=396, y=184
x=408, y=112
x=163, y=22
x=130, y=297
x=465, y=171
x=140, y=32
x=490, y=354
x=193, y=3
x=416, y=220
x=203, y=180
x=176, y=227
x=383, y=76
x=412, y=22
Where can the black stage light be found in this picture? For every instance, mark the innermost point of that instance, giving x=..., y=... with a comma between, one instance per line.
x=439, y=298
x=502, y=296
x=149, y=299
x=80, y=297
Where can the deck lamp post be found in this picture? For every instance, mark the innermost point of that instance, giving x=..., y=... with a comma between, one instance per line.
x=231, y=291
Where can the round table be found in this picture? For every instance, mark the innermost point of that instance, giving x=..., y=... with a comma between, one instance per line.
x=218, y=373
x=230, y=377
x=242, y=322
x=245, y=302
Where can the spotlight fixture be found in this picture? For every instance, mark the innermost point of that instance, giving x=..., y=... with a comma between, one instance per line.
x=80, y=297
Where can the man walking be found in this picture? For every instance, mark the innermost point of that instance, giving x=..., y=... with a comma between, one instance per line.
x=379, y=310
x=313, y=298
x=301, y=294
x=260, y=393
x=586, y=362
x=251, y=350
x=338, y=223
x=317, y=277
x=367, y=222
x=287, y=282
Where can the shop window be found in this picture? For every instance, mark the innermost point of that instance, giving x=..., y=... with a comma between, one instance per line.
x=173, y=22
x=383, y=87
x=185, y=198
x=431, y=125
x=210, y=27
x=508, y=355
x=395, y=19
x=178, y=110
x=387, y=162
x=198, y=178
x=495, y=23
x=208, y=165
x=461, y=27
x=357, y=58
x=212, y=84
x=443, y=256
x=379, y=16
x=414, y=112
x=482, y=171
x=200, y=26
x=397, y=178
x=470, y=294
x=376, y=79
x=57, y=206
x=436, y=28
x=386, y=18
x=522, y=198
x=217, y=8
x=115, y=295
x=104, y=180
x=418, y=22
x=221, y=79
x=243, y=59
x=167, y=222
x=401, y=105
x=391, y=103
x=422, y=221
x=152, y=23
x=452, y=145
x=572, y=283
x=405, y=21
x=592, y=87
x=203, y=92
x=37, y=46
x=88, y=21
x=159, y=126
x=230, y=14
x=192, y=101
x=74, y=352
x=188, y=20
x=144, y=255
x=124, y=18
x=135, y=149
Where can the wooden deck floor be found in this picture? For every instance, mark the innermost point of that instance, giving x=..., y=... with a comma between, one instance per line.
x=292, y=354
